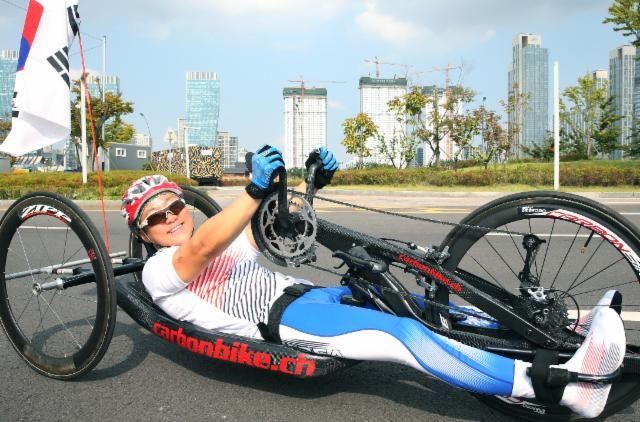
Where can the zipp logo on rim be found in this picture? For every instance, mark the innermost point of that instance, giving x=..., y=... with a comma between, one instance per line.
x=41, y=209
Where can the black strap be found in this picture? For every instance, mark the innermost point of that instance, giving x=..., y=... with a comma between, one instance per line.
x=548, y=383
x=271, y=330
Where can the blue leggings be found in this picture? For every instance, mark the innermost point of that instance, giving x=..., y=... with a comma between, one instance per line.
x=318, y=322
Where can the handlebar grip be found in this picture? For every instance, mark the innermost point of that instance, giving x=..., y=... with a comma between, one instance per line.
x=247, y=160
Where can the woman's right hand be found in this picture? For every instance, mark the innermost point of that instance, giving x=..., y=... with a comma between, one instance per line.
x=264, y=163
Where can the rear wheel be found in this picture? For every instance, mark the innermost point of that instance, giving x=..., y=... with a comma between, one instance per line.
x=200, y=205
x=60, y=333
x=585, y=250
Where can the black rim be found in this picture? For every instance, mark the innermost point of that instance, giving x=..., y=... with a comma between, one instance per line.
x=44, y=328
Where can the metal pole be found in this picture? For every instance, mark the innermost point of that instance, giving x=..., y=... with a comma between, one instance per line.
x=104, y=75
x=556, y=128
x=148, y=130
x=83, y=129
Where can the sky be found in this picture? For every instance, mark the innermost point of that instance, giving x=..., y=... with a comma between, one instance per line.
x=257, y=46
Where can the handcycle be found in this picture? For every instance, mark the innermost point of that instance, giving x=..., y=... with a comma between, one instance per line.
x=513, y=277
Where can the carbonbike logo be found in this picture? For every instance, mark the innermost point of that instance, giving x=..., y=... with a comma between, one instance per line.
x=237, y=353
x=533, y=211
x=539, y=409
x=431, y=272
x=41, y=209
x=618, y=243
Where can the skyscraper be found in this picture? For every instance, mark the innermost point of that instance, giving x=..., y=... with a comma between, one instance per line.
x=8, y=65
x=94, y=83
x=305, y=123
x=375, y=93
x=602, y=79
x=529, y=76
x=203, y=108
x=621, y=72
x=229, y=146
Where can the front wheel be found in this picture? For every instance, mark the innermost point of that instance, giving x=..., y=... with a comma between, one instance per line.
x=585, y=249
x=60, y=333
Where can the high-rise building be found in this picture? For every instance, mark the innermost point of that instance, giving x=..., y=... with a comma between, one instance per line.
x=94, y=83
x=180, y=135
x=305, y=123
x=375, y=95
x=602, y=79
x=621, y=72
x=529, y=77
x=8, y=65
x=229, y=146
x=203, y=108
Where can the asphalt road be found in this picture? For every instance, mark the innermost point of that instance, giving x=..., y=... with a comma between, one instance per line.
x=144, y=378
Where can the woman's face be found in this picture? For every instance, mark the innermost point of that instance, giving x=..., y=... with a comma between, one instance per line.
x=172, y=232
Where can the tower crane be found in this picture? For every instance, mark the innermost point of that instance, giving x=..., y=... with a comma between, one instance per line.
x=377, y=62
x=446, y=71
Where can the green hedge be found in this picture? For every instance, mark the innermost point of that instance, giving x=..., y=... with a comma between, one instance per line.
x=578, y=174
x=13, y=186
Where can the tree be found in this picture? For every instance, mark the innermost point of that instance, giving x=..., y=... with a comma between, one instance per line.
x=400, y=150
x=625, y=15
x=463, y=128
x=516, y=102
x=356, y=132
x=543, y=151
x=107, y=113
x=432, y=127
x=589, y=117
x=5, y=127
x=496, y=140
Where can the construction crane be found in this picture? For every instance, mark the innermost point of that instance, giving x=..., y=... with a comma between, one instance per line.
x=446, y=71
x=377, y=62
x=302, y=82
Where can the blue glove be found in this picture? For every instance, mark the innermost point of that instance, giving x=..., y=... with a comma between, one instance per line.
x=326, y=169
x=264, y=164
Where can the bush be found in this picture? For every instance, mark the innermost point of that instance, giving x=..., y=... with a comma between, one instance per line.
x=114, y=183
x=578, y=174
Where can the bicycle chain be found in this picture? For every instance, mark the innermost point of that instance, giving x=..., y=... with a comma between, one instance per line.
x=410, y=217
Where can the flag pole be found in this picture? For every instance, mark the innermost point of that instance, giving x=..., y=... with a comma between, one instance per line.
x=556, y=128
x=83, y=131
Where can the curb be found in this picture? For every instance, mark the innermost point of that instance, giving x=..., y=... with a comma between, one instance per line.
x=114, y=204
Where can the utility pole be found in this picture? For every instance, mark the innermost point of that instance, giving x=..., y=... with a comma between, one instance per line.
x=104, y=75
x=83, y=128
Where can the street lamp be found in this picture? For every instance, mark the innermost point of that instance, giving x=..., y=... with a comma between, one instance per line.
x=148, y=130
x=169, y=137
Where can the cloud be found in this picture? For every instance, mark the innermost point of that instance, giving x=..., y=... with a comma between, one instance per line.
x=445, y=25
x=291, y=45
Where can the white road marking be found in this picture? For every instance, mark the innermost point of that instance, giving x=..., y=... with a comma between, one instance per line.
x=44, y=228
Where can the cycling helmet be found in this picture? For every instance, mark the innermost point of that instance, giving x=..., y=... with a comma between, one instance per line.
x=142, y=191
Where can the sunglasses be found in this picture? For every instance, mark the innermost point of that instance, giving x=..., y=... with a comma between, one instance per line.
x=160, y=217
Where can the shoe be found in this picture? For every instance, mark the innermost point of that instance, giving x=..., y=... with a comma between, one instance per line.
x=611, y=299
x=601, y=353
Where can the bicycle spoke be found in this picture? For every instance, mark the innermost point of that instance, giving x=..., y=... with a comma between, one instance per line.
x=599, y=272
x=501, y=258
x=46, y=250
x=514, y=242
x=487, y=271
x=604, y=288
x=25, y=307
x=585, y=266
x=63, y=324
x=53, y=297
x=565, y=258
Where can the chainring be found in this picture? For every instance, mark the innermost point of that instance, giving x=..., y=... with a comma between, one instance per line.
x=286, y=247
